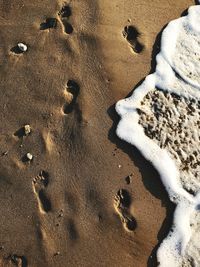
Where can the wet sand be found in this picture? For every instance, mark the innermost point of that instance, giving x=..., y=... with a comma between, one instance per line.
x=66, y=206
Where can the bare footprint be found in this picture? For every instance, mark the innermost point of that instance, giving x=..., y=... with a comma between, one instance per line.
x=122, y=203
x=131, y=34
x=50, y=23
x=128, y=178
x=23, y=131
x=72, y=91
x=40, y=182
x=64, y=14
x=16, y=50
x=72, y=230
x=19, y=261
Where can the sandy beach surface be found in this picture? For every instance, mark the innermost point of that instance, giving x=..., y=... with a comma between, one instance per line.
x=84, y=197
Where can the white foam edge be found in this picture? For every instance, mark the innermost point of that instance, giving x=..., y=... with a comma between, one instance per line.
x=173, y=247
x=170, y=34
x=129, y=130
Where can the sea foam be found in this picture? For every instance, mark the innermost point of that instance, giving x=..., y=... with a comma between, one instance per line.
x=162, y=119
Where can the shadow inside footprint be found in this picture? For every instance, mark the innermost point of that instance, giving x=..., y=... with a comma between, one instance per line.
x=73, y=234
x=131, y=34
x=20, y=132
x=72, y=88
x=68, y=27
x=131, y=224
x=19, y=261
x=45, y=202
x=138, y=48
x=125, y=199
x=65, y=12
x=122, y=203
x=16, y=50
x=49, y=24
x=68, y=108
x=45, y=177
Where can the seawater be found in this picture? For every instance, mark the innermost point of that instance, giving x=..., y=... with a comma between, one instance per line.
x=162, y=119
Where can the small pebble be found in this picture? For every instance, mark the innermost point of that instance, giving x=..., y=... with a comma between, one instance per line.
x=29, y=156
x=27, y=129
x=5, y=153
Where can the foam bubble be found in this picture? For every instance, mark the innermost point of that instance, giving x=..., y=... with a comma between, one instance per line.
x=162, y=119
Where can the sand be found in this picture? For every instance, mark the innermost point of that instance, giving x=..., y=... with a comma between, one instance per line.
x=85, y=198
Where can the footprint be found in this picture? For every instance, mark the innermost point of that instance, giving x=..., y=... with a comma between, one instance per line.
x=129, y=178
x=19, y=261
x=16, y=50
x=40, y=182
x=50, y=23
x=131, y=34
x=23, y=131
x=72, y=231
x=68, y=27
x=64, y=14
x=72, y=92
x=122, y=203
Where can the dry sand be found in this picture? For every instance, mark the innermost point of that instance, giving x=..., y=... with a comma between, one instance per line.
x=64, y=207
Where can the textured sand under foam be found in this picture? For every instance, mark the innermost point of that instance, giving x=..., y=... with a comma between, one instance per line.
x=173, y=121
